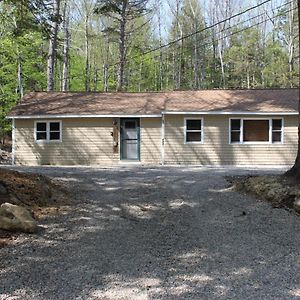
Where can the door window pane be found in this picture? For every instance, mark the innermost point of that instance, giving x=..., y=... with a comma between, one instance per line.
x=130, y=124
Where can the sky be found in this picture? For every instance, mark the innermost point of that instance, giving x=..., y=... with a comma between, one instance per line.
x=238, y=6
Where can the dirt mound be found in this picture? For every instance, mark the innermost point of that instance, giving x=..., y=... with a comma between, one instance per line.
x=38, y=193
x=280, y=191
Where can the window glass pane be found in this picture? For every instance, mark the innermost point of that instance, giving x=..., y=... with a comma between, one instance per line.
x=41, y=126
x=193, y=124
x=54, y=135
x=235, y=124
x=54, y=126
x=193, y=136
x=276, y=124
x=41, y=136
x=235, y=137
x=276, y=136
x=130, y=124
x=256, y=131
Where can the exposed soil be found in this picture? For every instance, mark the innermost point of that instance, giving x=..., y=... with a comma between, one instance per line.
x=38, y=193
x=280, y=191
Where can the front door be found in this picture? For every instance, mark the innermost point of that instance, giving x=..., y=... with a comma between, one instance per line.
x=130, y=139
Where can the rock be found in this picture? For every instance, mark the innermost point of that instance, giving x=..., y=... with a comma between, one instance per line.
x=297, y=205
x=16, y=218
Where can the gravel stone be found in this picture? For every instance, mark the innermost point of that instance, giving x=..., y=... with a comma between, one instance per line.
x=155, y=233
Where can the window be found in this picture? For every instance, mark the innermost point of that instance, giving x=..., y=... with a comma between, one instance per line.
x=277, y=131
x=256, y=131
x=235, y=130
x=48, y=131
x=193, y=131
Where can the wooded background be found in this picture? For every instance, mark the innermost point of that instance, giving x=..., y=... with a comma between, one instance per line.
x=145, y=45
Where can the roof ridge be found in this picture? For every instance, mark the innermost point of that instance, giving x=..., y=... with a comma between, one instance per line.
x=163, y=92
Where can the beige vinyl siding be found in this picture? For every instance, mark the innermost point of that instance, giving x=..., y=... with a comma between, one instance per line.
x=216, y=149
x=150, y=140
x=84, y=141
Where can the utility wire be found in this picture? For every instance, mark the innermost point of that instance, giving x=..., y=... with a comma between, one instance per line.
x=216, y=40
x=201, y=30
x=135, y=71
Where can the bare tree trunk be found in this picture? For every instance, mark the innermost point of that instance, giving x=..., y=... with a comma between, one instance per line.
x=160, y=53
x=20, y=77
x=175, y=86
x=53, y=46
x=196, y=43
x=181, y=62
x=222, y=64
x=87, y=47
x=95, y=81
x=291, y=38
x=295, y=170
x=66, y=48
x=122, y=47
x=105, y=78
x=141, y=76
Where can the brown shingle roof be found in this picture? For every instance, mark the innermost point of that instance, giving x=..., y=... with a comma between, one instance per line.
x=81, y=103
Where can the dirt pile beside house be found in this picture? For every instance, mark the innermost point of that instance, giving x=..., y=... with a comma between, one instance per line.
x=39, y=194
x=280, y=191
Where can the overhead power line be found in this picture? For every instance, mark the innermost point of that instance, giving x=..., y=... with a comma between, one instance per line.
x=216, y=40
x=201, y=30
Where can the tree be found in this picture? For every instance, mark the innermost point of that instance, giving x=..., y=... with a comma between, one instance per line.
x=124, y=14
x=66, y=46
x=295, y=170
x=22, y=59
x=52, y=52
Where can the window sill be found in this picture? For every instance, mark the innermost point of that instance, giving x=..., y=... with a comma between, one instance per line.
x=257, y=143
x=48, y=142
x=193, y=143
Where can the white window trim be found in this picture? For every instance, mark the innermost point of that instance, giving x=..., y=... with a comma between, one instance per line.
x=48, y=131
x=256, y=143
x=185, y=128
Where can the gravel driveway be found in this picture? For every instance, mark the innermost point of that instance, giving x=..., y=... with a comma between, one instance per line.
x=155, y=233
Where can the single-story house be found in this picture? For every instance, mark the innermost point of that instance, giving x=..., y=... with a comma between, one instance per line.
x=207, y=127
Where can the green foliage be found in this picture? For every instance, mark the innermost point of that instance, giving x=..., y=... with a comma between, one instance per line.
x=19, y=44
